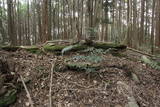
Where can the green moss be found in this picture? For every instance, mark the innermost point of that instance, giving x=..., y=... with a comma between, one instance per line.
x=29, y=47
x=79, y=47
x=32, y=49
x=108, y=45
x=54, y=48
x=8, y=98
x=150, y=62
x=35, y=51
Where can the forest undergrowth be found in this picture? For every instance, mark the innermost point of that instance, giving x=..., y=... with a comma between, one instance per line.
x=81, y=79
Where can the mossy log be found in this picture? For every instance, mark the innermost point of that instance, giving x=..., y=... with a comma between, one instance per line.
x=10, y=48
x=106, y=45
x=31, y=49
x=53, y=48
x=78, y=47
x=60, y=47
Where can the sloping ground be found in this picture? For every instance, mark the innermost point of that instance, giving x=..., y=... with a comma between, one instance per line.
x=113, y=86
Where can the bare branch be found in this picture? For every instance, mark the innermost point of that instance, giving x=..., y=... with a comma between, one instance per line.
x=50, y=88
x=28, y=94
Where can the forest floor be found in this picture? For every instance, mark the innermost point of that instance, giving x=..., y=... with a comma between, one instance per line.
x=112, y=86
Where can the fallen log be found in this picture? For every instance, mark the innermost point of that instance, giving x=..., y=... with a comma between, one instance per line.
x=72, y=47
x=143, y=53
x=106, y=45
x=83, y=46
x=10, y=48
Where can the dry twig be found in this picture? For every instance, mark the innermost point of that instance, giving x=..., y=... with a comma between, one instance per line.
x=143, y=53
x=50, y=88
x=28, y=94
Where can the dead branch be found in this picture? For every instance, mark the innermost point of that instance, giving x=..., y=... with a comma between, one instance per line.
x=143, y=53
x=50, y=88
x=28, y=94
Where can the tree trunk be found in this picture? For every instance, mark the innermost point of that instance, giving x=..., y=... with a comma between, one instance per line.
x=45, y=35
x=158, y=23
x=11, y=31
x=50, y=20
x=141, y=38
x=152, y=29
x=2, y=30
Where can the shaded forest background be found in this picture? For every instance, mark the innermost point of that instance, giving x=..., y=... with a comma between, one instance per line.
x=135, y=23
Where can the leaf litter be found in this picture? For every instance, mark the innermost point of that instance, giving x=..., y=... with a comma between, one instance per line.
x=79, y=89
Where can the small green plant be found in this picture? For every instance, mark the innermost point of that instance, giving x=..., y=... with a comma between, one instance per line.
x=151, y=63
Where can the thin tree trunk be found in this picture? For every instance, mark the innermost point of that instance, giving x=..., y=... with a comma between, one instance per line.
x=11, y=32
x=49, y=20
x=152, y=29
x=141, y=39
x=45, y=24
x=158, y=23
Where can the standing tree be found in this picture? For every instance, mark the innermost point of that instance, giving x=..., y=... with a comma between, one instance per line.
x=45, y=19
x=152, y=27
x=11, y=32
x=2, y=30
x=158, y=23
x=141, y=38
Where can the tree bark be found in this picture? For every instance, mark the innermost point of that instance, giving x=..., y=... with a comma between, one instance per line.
x=141, y=38
x=11, y=31
x=158, y=23
x=45, y=34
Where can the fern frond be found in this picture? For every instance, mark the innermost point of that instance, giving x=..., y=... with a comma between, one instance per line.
x=151, y=63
